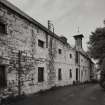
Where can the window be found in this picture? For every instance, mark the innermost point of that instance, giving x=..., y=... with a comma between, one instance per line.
x=40, y=74
x=40, y=43
x=2, y=28
x=70, y=55
x=70, y=73
x=59, y=51
x=3, y=82
x=59, y=74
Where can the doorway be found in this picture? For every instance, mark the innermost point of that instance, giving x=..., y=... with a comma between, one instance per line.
x=3, y=82
x=76, y=74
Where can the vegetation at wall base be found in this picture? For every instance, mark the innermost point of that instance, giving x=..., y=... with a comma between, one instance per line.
x=12, y=99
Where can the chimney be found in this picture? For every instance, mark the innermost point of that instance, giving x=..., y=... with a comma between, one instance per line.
x=78, y=41
x=50, y=26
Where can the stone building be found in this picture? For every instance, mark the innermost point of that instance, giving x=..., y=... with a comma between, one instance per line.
x=33, y=58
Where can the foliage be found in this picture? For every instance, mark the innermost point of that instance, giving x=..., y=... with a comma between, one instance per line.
x=97, y=44
x=97, y=50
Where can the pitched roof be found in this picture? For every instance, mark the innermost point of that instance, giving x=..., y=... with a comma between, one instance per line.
x=30, y=19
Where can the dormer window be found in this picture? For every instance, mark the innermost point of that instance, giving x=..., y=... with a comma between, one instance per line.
x=2, y=28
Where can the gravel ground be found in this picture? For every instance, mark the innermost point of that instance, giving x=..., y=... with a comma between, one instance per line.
x=91, y=94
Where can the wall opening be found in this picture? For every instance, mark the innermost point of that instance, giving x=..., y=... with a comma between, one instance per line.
x=70, y=74
x=2, y=28
x=59, y=74
x=3, y=81
x=41, y=43
x=40, y=74
x=76, y=74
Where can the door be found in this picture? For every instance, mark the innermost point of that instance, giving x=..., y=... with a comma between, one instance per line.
x=2, y=77
x=76, y=74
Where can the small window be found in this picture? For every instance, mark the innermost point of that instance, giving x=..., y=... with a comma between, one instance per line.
x=70, y=55
x=70, y=73
x=59, y=74
x=41, y=43
x=40, y=74
x=2, y=28
x=59, y=51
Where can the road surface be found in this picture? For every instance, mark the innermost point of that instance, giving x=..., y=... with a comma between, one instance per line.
x=91, y=94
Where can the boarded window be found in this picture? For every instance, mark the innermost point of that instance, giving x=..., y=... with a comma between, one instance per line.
x=41, y=43
x=2, y=28
x=70, y=73
x=40, y=74
x=3, y=82
x=59, y=74
x=59, y=51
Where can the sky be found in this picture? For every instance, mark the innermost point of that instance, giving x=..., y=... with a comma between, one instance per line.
x=66, y=15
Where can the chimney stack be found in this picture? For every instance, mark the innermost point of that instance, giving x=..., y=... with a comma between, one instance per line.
x=50, y=26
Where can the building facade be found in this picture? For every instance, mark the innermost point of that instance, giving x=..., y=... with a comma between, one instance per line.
x=33, y=58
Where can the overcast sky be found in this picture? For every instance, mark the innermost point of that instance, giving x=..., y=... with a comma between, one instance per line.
x=66, y=15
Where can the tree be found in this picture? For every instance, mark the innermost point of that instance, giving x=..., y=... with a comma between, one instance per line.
x=97, y=44
x=97, y=49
